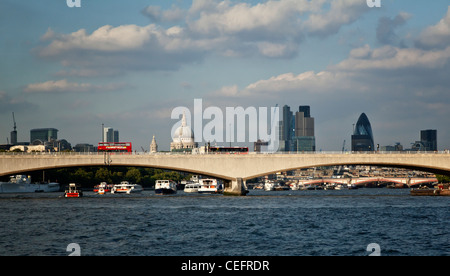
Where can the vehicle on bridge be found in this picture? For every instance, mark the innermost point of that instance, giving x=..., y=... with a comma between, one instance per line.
x=123, y=147
x=221, y=150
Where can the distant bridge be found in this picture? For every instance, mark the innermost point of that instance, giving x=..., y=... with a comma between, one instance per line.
x=361, y=181
x=235, y=169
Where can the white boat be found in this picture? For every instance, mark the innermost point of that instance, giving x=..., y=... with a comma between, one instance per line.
x=22, y=184
x=192, y=187
x=269, y=185
x=126, y=187
x=295, y=186
x=341, y=187
x=165, y=187
x=210, y=186
x=352, y=187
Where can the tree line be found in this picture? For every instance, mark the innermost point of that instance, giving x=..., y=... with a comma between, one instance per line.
x=91, y=176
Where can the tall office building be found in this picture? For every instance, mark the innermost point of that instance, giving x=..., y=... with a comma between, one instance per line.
x=304, y=139
x=286, y=129
x=42, y=135
x=116, y=136
x=429, y=139
x=108, y=134
x=297, y=131
x=362, y=138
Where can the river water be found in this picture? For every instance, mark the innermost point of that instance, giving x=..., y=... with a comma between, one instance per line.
x=288, y=223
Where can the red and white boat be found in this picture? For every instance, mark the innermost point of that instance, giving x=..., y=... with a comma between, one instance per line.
x=127, y=188
x=73, y=191
x=103, y=188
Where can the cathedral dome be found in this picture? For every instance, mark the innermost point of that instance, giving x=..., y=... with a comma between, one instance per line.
x=183, y=137
x=183, y=133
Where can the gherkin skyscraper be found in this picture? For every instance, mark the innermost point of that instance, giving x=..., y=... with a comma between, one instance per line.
x=362, y=138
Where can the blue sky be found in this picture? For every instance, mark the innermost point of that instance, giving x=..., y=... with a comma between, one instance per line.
x=128, y=64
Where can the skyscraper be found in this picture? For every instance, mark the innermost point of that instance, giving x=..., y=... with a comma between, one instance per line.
x=297, y=131
x=304, y=139
x=286, y=129
x=108, y=134
x=362, y=138
x=429, y=139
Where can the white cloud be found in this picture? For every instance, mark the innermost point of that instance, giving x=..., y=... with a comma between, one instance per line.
x=272, y=29
x=436, y=36
x=65, y=86
x=341, y=12
x=391, y=58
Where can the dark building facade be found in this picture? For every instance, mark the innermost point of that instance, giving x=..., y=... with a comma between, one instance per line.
x=43, y=135
x=429, y=139
x=362, y=138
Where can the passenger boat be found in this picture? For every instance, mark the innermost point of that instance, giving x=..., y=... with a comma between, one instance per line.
x=73, y=191
x=103, y=188
x=341, y=187
x=210, y=186
x=165, y=187
x=352, y=186
x=22, y=184
x=192, y=187
x=126, y=188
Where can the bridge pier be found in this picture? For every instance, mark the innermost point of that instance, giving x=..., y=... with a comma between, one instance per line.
x=235, y=187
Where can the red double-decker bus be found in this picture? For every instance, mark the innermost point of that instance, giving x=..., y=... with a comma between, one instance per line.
x=114, y=147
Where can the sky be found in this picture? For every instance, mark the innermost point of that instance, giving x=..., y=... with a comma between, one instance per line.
x=129, y=64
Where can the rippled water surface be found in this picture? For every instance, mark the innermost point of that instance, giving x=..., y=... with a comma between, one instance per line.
x=264, y=223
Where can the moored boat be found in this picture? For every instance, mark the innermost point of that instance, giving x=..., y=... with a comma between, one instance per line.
x=192, y=187
x=22, y=184
x=126, y=188
x=103, y=188
x=165, y=187
x=439, y=190
x=210, y=186
x=73, y=191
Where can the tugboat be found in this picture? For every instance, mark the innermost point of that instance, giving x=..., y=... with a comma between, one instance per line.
x=73, y=191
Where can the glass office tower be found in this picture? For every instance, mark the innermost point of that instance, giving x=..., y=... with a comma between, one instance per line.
x=362, y=138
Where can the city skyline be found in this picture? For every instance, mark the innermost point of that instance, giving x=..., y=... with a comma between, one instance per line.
x=128, y=65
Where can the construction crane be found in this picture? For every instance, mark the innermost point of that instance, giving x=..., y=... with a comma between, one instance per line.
x=14, y=120
x=14, y=132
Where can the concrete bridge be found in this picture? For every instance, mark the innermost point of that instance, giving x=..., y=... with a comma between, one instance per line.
x=234, y=169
